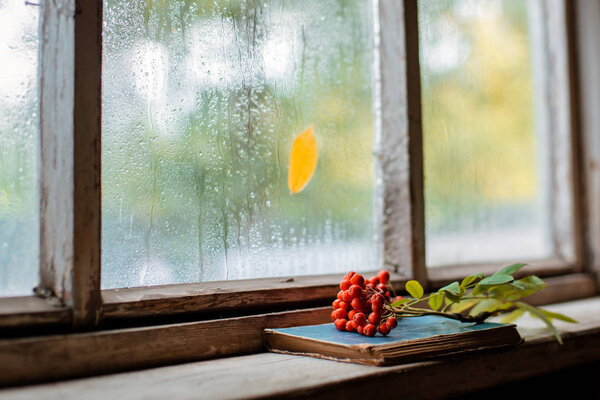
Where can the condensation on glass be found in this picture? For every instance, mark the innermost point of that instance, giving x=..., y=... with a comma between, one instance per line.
x=19, y=211
x=485, y=158
x=201, y=102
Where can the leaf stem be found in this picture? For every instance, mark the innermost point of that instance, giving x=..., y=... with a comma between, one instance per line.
x=479, y=318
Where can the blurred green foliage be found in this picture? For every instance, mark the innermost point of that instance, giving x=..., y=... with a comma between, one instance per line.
x=202, y=180
x=202, y=170
x=480, y=145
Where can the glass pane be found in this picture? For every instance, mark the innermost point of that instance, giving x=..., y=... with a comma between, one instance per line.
x=19, y=210
x=485, y=172
x=201, y=102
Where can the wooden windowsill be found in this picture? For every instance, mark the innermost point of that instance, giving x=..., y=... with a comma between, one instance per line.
x=223, y=296
x=26, y=311
x=285, y=376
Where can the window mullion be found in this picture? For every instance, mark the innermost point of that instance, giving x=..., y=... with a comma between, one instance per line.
x=584, y=31
x=70, y=66
x=401, y=138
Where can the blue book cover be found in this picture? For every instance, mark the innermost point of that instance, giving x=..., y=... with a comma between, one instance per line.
x=413, y=339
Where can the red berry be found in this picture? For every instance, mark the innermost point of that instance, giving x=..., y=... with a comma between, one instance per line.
x=340, y=313
x=369, y=330
x=349, y=275
x=358, y=280
x=336, y=304
x=355, y=291
x=374, y=280
x=345, y=284
x=359, y=304
x=384, y=329
x=387, y=295
x=377, y=300
x=377, y=308
x=333, y=318
x=347, y=297
x=351, y=314
x=374, y=318
x=350, y=326
x=360, y=318
x=345, y=306
x=382, y=287
x=359, y=329
x=339, y=295
x=392, y=322
x=340, y=324
x=384, y=276
x=370, y=286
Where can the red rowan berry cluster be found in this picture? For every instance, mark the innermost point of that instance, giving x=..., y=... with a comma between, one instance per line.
x=359, y=306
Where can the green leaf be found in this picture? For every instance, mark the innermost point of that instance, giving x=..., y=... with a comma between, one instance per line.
x=453, y=288
x=512, y=316
x=518, y=289
x=562, y=317
x=531, y=282
x=503, y=292
x=470, y=279
x=511, y=269
x=489, y=305
x=415, y=289
x=496, y=279
x=452, y=291
x=436, y=300
x=525, y=287
x=478, y=289
x=399, y=302
x=539, y=314
x=463, y=305
x=498, y=286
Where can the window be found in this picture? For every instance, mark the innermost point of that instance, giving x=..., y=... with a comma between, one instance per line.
x=179, y=216
x=497, y=140
x=19, y=217
x=201, y=103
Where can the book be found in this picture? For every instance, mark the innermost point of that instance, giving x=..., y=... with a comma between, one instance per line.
x=414, y=339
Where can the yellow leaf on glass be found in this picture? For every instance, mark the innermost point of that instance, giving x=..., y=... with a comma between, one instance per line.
x=303, y=160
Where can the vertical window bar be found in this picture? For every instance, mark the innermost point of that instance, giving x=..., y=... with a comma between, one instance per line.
x=70, y=71
x=401, y=157
x=584, y=31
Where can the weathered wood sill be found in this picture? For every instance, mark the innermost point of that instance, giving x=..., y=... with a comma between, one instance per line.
x=268, y=375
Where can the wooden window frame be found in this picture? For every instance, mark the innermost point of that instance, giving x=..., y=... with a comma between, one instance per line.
x=69, y=298
x=397, y=83
x=70, y=128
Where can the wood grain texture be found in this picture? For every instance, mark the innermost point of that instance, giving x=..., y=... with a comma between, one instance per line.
x=86, y=301
x=70, y=101
x=400, y=155
x=210, y=297
x=415, y=134
x=565, y=288
x=65, y=356
x=578, y=176
x=544, y=268
x=29, y=311
x=284, y=376
x=56, y=86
